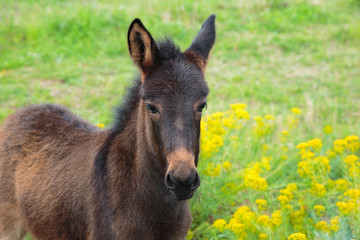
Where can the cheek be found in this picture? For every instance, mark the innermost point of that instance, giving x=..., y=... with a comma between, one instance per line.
x=155, y=117
x=198, y=116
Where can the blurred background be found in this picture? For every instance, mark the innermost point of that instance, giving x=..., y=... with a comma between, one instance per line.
x=294, y=64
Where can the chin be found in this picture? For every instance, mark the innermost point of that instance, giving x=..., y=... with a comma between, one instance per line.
x=181, y=196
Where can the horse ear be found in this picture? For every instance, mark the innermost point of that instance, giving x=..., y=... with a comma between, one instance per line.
x=141, y=46
x=204, y=40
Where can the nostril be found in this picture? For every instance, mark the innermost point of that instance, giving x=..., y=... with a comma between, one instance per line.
x=168, y=182
x=196, y=182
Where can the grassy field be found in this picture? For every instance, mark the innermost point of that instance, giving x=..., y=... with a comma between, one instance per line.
x=295, y=64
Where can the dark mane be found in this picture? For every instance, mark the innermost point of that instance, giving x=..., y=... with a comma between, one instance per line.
x=123, y=112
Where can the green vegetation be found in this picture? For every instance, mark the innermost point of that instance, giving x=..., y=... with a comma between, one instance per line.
x=272, y=55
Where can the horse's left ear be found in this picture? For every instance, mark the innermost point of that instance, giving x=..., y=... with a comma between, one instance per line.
x=204, y=40
x=141, y=46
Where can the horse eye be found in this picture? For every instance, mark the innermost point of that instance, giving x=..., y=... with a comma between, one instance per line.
x=201, y=107
x=151, y=108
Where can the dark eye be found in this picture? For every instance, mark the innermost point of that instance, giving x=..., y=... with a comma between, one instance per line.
x=151, y=108
x=201, y=107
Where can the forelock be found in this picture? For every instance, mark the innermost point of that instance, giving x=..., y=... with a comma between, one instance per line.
x=168, y=49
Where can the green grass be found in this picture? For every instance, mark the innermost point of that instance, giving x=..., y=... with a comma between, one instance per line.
x=270, y=54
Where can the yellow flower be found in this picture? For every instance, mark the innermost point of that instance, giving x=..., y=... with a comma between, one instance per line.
x=101, y=125
x=352, y=143
x=318, y=189
x=322, y=226
x=353, y=165
x=239, y=111
x=353, y=194
x=283, y=199
x=264, y=220
x=261, y=204
x=236, y=227
x=285, y=132
x=263, y=236
x=342, y=184
x=335, y=224
x=189, y=235
x=291, y=187
x=319, y=210
x=255, y=182
x=238, y=106
x=297, y=236
x=265, y=147
x=252, y=177
x=276, y=218
x=212, y=170
x=328, y=129
x=269, y=117
x=287, y=193
x=227, y=165
x=219, y=224
x=297, y=217
x=345, y=207
x=296, y=111
x=339, y=145
x=351, y=160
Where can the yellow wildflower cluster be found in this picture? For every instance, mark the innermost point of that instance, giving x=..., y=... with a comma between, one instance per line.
x=296, y=111
x=353, y=166
x=261, y=204
x=286, y=195
x=213, y=170
x=297, y=218
x=317, y=189
x=276, y=218
x=299, y=207
x=313, y=145
x=335, y=224
x=213, y=127
x=323, y=226
x=350, y=143
x=190, y=235
x=220, y=224
x=244, y=222
x=264, y=126
x=239, y=111
x=294, y=119
x=212, y=134
x=252, y=178
x=315, y=168
x=297, y=236
x=227, y=165
x=351, y=205
x=342, y=184
x=319, y=210
x=263, y=236
x=241, y=222
x=328, y=129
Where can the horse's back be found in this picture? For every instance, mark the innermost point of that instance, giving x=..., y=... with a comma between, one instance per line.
x=45, y=156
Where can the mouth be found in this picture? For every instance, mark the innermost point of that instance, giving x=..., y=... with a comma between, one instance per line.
x=182, y=194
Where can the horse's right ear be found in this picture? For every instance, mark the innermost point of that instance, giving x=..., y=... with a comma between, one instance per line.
x=142, y=47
